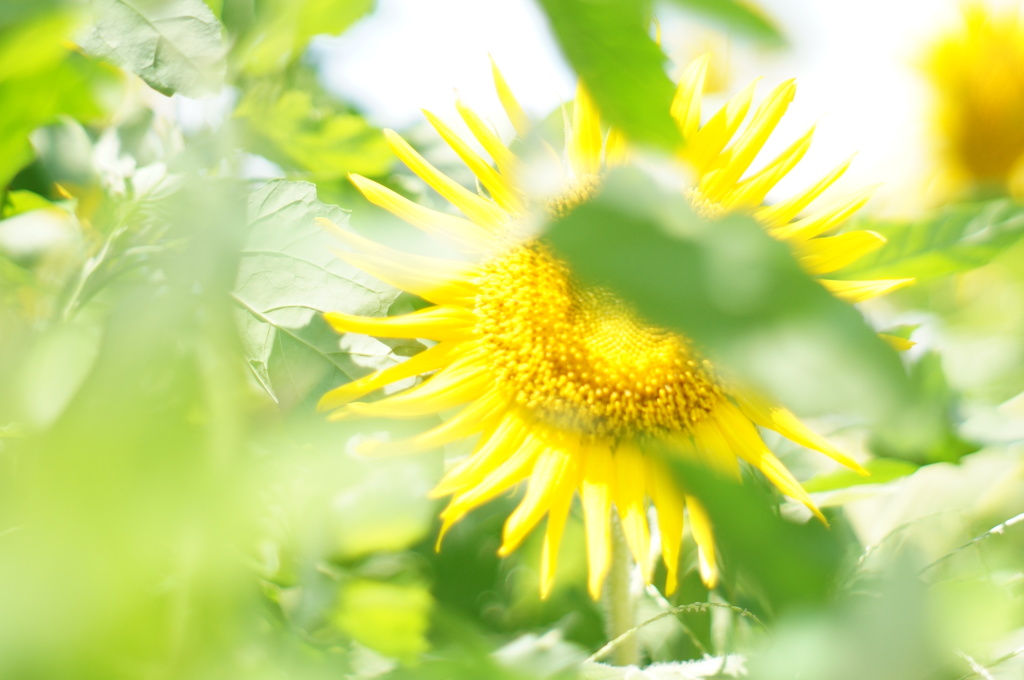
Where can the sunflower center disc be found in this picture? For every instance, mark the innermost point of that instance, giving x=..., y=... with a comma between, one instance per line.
x=578, y=357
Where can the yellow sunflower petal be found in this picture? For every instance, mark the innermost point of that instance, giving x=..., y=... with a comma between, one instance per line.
x=552, y=469
x=440, y=281
x=778, y=215
x=462, y=381
x=503, y=157
x=442, y=322
x=668, y=502
x=713, y=449
x=585, y=137
x=503, y=193
x=513, y=470
x=858, y=291
x=477, y=208
x=616, y=151
x=823, y=255
x=703, y=148
x=596, y=498
x=822, y=221
x=460, y=231
x=686, y=103
x=896, y=342
x=493, y=449
x=432, y=359
x=731, y=165
x=629, y=493
x=557, y=515
x=480, y=415
x=700, y=526
x=747, y=444
x=751, y=192
x=520, y=121
x=774, y=417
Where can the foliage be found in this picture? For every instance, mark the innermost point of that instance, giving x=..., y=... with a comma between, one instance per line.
x=172, y=506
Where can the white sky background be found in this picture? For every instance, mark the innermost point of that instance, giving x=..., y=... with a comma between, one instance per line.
x=853, y=60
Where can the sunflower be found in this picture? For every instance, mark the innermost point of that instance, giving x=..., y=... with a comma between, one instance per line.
x=563, y=384
x=977, y=74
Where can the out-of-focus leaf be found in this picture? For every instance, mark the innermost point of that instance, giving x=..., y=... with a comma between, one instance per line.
x=783, y=563
x=731, y=666
x=22, y=201
x=547, y=656
x=331, y=505
x=133, y=497
x=882, y=470
x=887, y=628
x=608, y=44
x=391, y=618
x=282, y=29
x=32, y=44
x=736, y=292
x=959, y=238
x=937, y=406
x=177, y=46
x=287, y=277
x=293, y=130
x=738, y=17
x=55, y=368
x=39, y=80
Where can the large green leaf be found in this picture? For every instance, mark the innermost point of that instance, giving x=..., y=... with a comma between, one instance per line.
x=737, y=292
x=392, y=618
x=174, y=45
x=882, y=470
x=959, y=238
x=281, y=30
x=41, y=79
x=938, y=405
x=783, y=563
x=609, y=45
x=738, y=17
x=287, y=277
x=296, y=130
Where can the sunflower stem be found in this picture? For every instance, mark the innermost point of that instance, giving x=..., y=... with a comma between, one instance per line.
x=619, y=603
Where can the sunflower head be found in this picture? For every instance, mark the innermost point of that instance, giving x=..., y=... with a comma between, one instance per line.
x=977, y=74
x=564, y=389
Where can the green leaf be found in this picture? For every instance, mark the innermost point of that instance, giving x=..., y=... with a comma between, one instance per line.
x=738, y=17
x=608, y=44
x=293, y=130
x=41, y=79
x=177, y=46
x=959, y=238
x=729, y=666
x=882, y=470
x=391, y=618
x=787, y=565
x=283, y=28
x=53, y=370
x=33, y=44
x=287, y=278
x=23, y=201
x=734, y=290
x=937, y=406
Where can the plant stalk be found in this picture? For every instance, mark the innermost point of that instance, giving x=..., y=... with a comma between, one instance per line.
x=619, y=602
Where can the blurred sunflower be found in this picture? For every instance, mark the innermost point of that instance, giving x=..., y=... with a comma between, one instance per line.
x=977, y=74
x=564, y=385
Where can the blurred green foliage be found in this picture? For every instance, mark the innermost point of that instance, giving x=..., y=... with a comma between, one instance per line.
x=609, y=45
x=171, y=506
x=738, y=17
x=959, y=238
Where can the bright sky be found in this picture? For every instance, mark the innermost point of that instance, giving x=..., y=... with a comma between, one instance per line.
x=853, y=60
